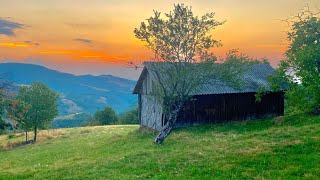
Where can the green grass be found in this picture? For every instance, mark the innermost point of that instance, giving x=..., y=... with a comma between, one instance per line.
x=254, y=149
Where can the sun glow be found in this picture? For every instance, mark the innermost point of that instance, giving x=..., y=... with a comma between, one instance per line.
x=85, y=55
x=74, y=35
x=14, y=45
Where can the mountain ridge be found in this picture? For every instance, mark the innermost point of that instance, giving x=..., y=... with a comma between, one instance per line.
x=78, y=93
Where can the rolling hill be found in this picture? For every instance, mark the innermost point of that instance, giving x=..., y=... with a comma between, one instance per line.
x=288, y=149
x=78, y=94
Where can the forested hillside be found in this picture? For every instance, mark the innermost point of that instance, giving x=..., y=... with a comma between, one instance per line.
x=79, y=95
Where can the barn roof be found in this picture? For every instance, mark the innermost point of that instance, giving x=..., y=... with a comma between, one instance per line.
x=253, y=79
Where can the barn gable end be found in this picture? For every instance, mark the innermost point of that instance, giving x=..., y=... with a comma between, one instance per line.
x=150, y=110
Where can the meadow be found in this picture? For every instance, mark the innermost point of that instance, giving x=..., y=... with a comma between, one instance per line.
x=261, y=149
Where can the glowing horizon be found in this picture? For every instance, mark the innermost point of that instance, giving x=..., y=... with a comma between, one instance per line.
x=96, y=37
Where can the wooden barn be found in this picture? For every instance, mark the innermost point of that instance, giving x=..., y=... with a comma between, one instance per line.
x=214, y=103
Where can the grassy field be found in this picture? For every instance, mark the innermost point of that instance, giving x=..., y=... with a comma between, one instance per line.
x=258, y=149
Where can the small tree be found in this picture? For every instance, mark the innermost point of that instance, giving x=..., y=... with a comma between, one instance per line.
x=3, y=124
x=4, y=88
x=17, y=111
x=43, y=106
x=301, y=68
x=106, y=116
x=182, y=61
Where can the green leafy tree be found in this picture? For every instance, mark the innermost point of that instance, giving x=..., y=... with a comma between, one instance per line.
x=181, y=42
x=3, y=124
x=301, y=68
x=4, y=88
x=129, y=117
x=43, y=106
x=17, y=111
x=106, y=116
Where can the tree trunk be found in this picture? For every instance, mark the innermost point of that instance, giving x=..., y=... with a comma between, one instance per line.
x=168, y=127
x=163, y=135
x=26, y=136
x=35, y=135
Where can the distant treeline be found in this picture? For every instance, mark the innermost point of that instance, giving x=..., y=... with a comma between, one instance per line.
x=106, y=116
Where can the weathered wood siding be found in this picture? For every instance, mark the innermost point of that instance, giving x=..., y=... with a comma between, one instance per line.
x=230, y=107
x=147, y=84
x=151, y=112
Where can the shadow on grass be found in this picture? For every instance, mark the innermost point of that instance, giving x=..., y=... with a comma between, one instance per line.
x=251, y=125
x=12, y=145
x=232, y=126
x=299, y=120
x=18, y=140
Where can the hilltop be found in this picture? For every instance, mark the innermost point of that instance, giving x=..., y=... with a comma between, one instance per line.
x=251, y=149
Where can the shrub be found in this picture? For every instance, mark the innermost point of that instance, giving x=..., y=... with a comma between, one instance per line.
x=129, y=117
x=106, y=116
x=11, y=136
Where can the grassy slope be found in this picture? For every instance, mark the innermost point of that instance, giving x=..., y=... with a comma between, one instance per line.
x=234, y=150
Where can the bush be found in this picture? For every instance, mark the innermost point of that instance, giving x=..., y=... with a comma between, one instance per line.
x=130, y=117
x=4, y=126
x=11, y=136
x=109, y=117
x=106, y=117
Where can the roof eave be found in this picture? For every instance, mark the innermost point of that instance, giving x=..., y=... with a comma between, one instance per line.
x=137, y=88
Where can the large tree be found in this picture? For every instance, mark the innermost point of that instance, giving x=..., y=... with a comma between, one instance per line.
x=301, y=68
x=43, y=106
x=181, y=43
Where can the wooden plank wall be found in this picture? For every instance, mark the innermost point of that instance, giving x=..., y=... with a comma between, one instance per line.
x=150, y=112
x=230, y=107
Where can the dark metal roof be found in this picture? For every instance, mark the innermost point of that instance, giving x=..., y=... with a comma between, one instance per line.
x=253, y=79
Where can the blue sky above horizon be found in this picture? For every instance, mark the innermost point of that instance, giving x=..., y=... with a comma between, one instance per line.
x=96, y=36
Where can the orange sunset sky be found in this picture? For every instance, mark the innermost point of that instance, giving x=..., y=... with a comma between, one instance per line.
x=96, y=36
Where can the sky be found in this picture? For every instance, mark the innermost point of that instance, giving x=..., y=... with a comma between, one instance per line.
x=96, y=36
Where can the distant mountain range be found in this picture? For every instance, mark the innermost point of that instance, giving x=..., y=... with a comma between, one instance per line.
x=78, y=94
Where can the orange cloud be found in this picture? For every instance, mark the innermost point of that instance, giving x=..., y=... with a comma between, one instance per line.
x=14, y=45
x=86, y=55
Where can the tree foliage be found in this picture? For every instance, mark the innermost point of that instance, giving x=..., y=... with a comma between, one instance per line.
x=16, y=111
x=181, y=43
x=3, y=124
x=301, y=68
x=129, y=117
x=106, y=116
x=42, y=106
x=4, y=88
